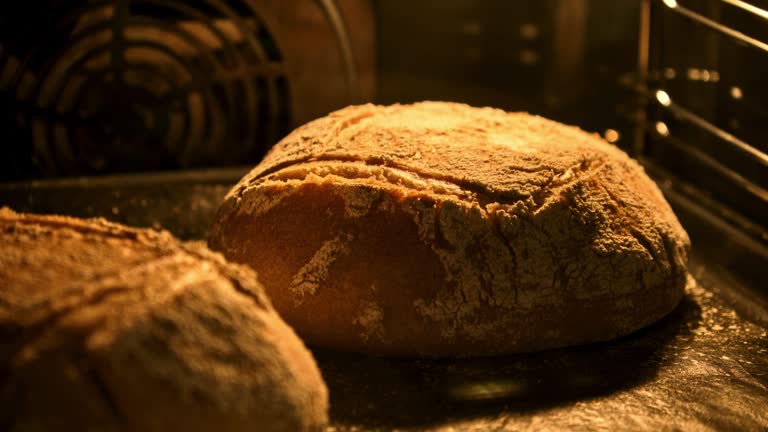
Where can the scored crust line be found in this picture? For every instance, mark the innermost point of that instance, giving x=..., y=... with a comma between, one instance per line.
x=484, y=195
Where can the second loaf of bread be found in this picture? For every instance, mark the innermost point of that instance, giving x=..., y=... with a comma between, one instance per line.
x=112, y=328
x=442, y=229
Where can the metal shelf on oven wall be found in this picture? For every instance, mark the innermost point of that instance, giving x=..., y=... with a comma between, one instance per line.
x=704, y=366
x=183, y=202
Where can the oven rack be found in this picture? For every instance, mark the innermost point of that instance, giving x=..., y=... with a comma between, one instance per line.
x=690, y=100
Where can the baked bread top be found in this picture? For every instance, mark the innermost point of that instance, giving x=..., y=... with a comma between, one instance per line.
x=480, y=154
x=527, y=218
x=117, y=328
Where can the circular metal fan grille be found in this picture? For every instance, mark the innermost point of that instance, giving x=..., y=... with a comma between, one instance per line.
x=109, y=86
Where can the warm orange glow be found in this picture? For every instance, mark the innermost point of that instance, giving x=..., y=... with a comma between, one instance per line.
x=611, y=135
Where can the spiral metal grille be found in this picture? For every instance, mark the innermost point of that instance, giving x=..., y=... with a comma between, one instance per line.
x=125, y=85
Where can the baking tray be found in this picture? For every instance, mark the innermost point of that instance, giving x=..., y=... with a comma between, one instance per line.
x=703, y=367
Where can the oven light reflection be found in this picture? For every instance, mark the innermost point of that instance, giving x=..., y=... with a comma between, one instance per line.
x=529, y=57
x=671, y=3
x=662, y=129
x=703, y=75
x=663, y=98
x=529, y=31
x=736, y=92
x=693, y=74
x=487, y=390
x=611, y=135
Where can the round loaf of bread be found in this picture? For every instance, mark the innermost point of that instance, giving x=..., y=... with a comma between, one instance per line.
x=440, y=229
x=108, y=328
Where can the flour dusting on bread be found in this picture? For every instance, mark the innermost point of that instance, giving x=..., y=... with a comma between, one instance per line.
x=485, y=231
x=311, y=276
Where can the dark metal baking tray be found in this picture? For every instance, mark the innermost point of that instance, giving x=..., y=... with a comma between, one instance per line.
x=703, y=367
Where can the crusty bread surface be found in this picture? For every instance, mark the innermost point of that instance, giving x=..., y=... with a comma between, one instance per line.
x=439, y=229
x=111, y=328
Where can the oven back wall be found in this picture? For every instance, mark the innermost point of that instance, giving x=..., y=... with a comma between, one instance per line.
x=569, y=60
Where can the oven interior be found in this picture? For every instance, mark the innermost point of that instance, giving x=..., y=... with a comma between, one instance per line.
x=147, y=112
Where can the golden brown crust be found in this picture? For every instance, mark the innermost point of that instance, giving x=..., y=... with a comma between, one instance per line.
x=440, y=229
x=113, y=328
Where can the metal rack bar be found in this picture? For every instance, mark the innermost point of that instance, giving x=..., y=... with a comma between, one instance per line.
x=691, y=117
x=714, y=25
x=342, y=37
x=643, y=57
x=757, y=191
x=671, y=184
x=762, y=13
